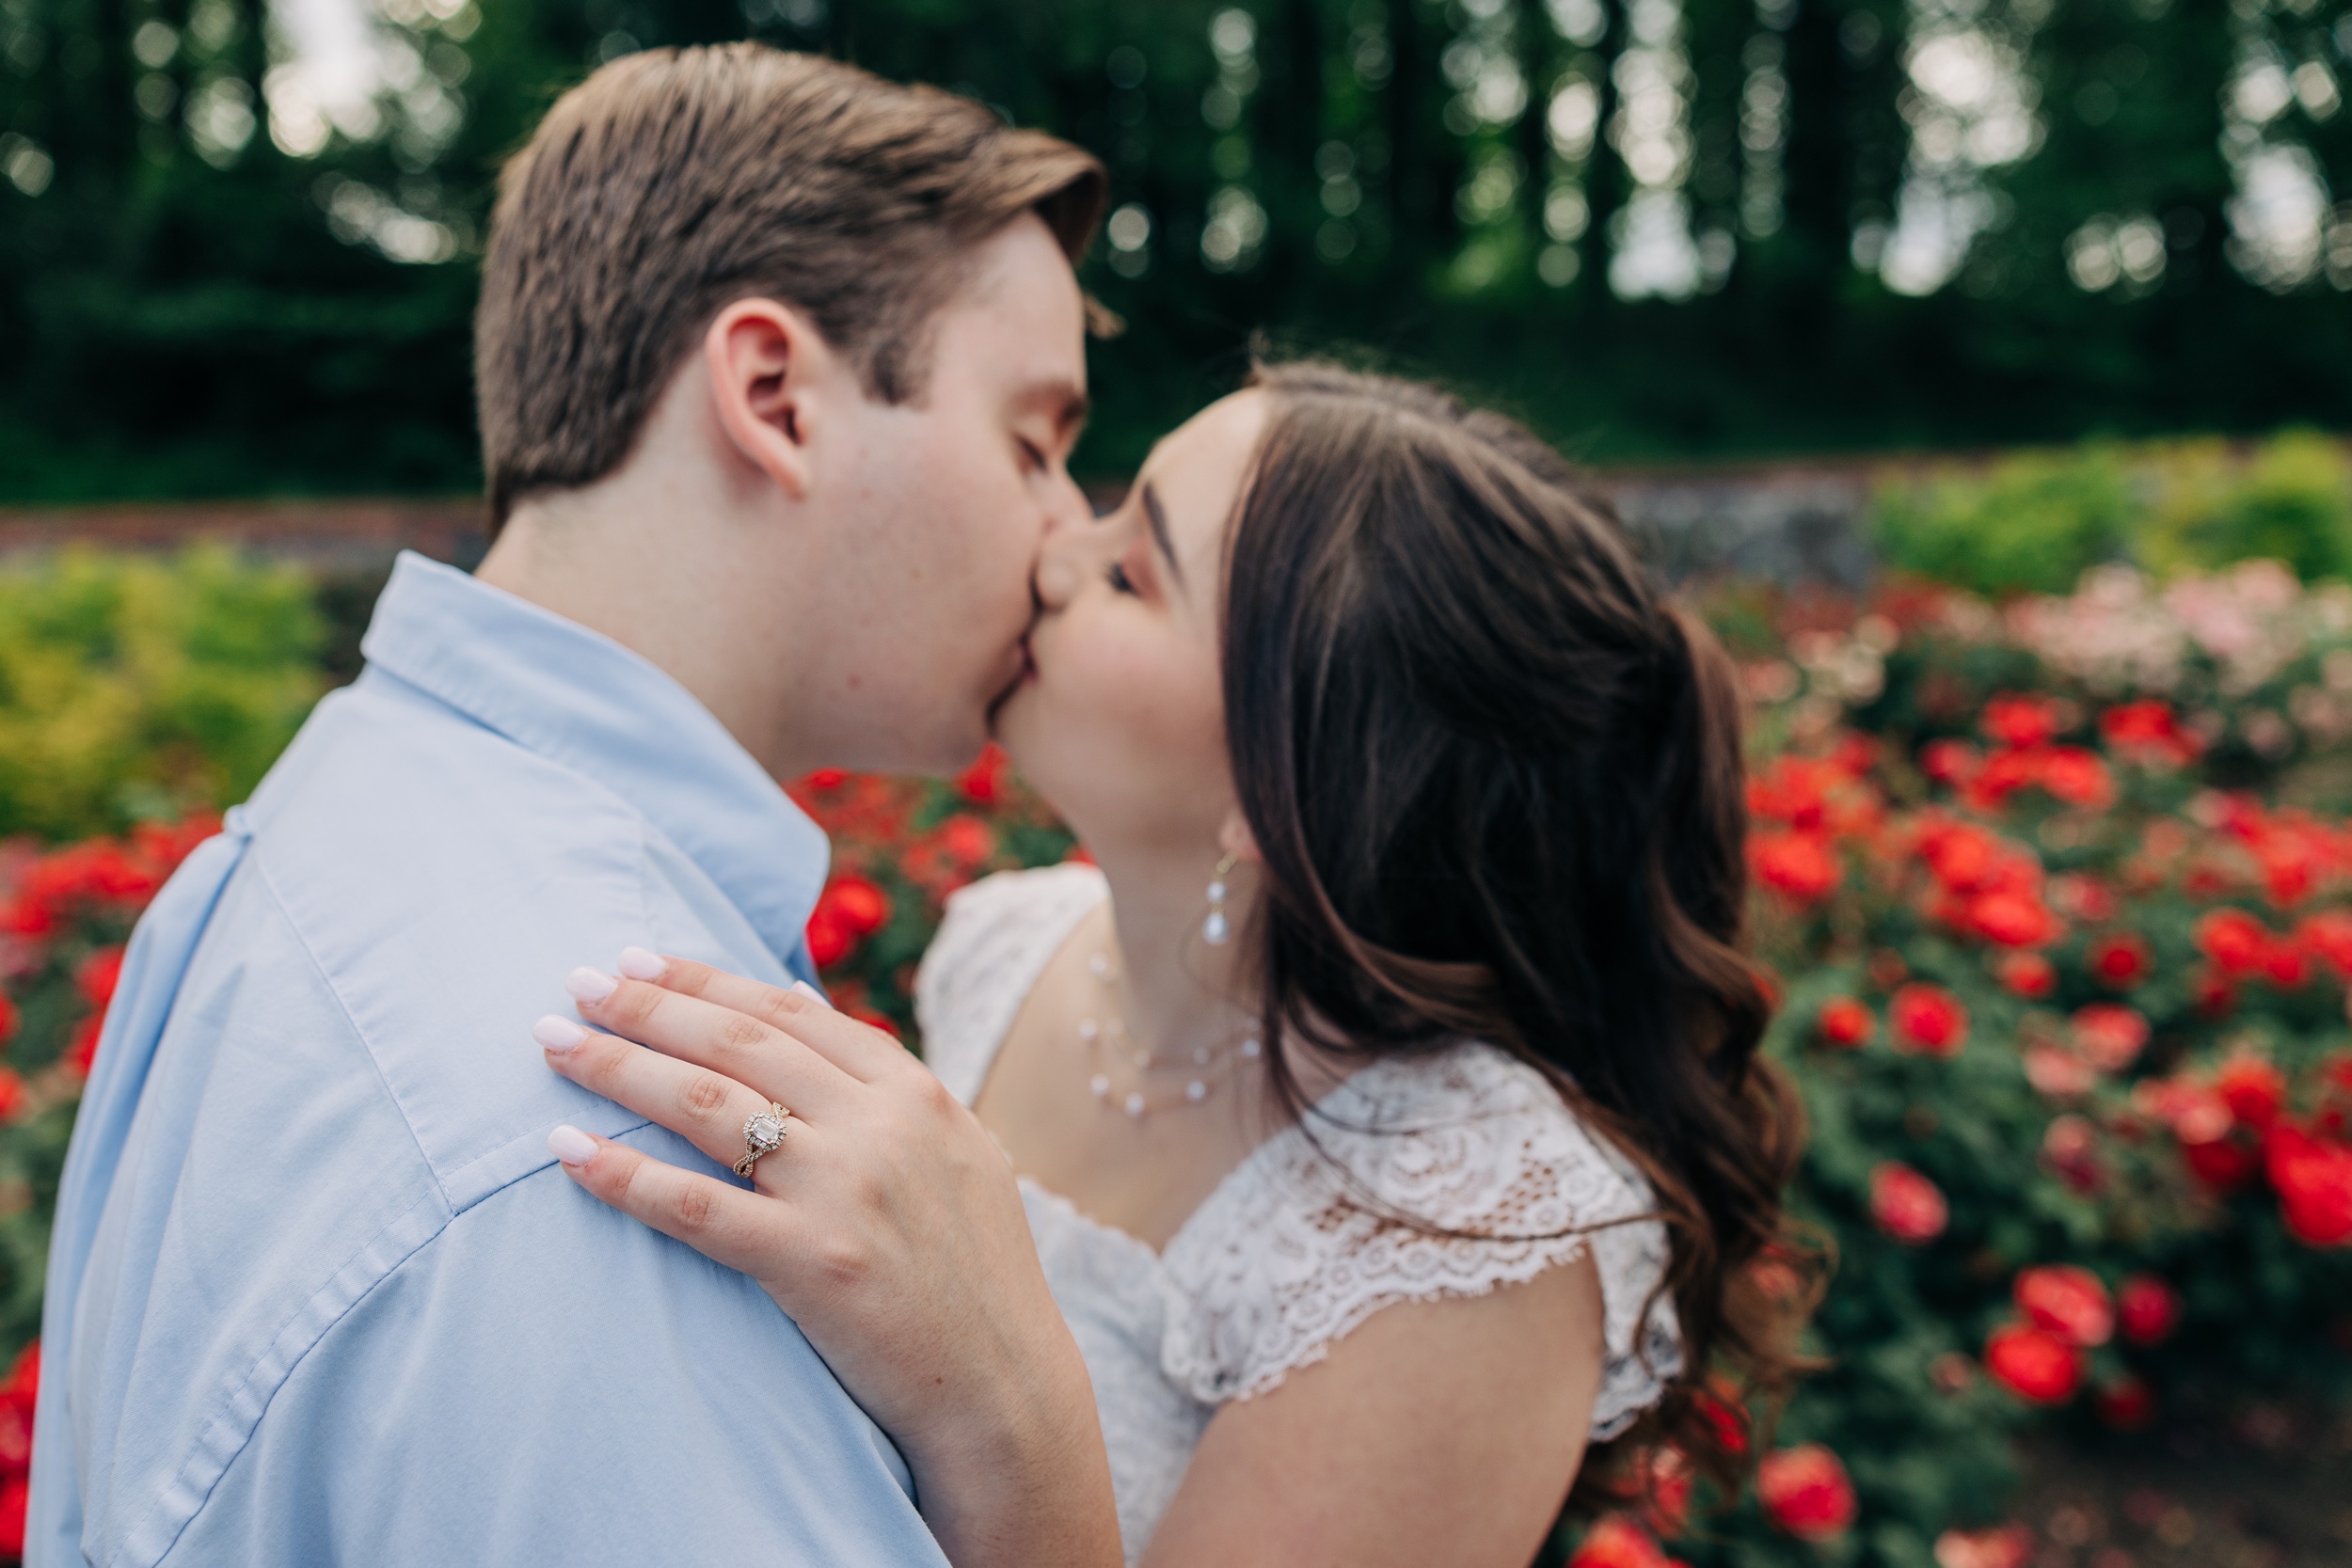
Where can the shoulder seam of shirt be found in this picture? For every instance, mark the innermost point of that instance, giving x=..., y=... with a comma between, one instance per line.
x=367, y=1048
x=318, y=1339
x=246, y=1383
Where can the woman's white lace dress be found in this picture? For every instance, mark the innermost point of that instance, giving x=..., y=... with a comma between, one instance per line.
x=1286, y=1255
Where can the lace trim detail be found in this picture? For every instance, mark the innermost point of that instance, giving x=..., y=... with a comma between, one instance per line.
x=1301, y=1244
x=1306, y=1244
x=995, y=939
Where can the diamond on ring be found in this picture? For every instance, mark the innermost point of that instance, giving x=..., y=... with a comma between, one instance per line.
x=763, y=1135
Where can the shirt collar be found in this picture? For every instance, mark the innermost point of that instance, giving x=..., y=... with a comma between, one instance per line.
x=577, y=697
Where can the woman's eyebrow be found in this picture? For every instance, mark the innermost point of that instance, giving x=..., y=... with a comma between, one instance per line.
x=1157, y=516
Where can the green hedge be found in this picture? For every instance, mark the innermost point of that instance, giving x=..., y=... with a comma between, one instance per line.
x=2035, y=521
x=134, y=688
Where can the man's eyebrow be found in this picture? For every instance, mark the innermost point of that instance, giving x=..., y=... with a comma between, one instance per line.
x=1067, y=399
x=1157, y=516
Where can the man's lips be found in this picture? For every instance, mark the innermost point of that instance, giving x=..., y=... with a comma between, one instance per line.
x=1021, y=677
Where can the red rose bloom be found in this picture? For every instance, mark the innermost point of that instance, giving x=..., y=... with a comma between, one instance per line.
x=1948, y=762
x=2026, y=974
x=2120, y=960
x=2327, y=936
x=2020, y=722
x=1846, y=1022
x=2110, y=1034
x=2078, y=777
x=2033, y=1363
x=1928, y=1021
x=1959, y=855
x=1725, y=1417
x=2125, y=1404
x=15, y=1497
x=2069, y=1302
x=2070, y=1147
x=98, y=977
x=2237, y=943
x=1805, y=1493
x=2012, y=919
x=81, y=1050
x=1617, y=1542
x=967, y=840
x=2147, y=729
x=1800, y=864
x=9, y=1019
x=2223, y=1164
x=1906, y=1205
x=2252, y=1089
x=862, y=907
x=11, y=1093
x=2148, y=1309
x=2314, y=1178
x=983, y=783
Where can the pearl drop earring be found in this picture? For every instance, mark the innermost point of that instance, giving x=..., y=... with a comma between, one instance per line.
x=1216, y=930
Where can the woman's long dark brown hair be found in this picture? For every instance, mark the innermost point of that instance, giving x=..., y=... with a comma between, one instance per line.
x=1497, y=785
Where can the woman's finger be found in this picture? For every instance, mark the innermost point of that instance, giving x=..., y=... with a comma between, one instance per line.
x=857, y=1049
x=737, y=1045
x=705, y=1107
x=735, y=1228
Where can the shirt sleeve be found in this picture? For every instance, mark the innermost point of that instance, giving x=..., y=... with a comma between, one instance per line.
x=550, y=1382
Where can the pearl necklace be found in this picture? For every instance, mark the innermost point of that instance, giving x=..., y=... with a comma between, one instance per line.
x=1213, y=1064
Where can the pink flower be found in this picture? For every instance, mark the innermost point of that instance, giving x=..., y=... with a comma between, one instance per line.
x=1906, y=1205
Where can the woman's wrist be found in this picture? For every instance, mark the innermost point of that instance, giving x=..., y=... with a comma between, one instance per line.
x=1021, y=1476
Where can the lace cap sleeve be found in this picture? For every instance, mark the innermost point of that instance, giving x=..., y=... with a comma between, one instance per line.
x=996, y=937
x=1307, y=1242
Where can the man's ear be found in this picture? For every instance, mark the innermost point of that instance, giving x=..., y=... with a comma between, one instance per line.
x=770, y=372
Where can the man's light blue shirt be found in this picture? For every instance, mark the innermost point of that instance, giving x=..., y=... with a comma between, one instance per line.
x=318, y=1293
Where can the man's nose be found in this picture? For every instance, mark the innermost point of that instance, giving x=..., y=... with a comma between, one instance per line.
x=1061, y=566
x=1067, y=509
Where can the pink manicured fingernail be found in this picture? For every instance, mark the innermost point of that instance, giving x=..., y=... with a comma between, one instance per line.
x=811, y=993
x=558, y=1035
x=589, y=985
x=571, y=1146
x=638, y=963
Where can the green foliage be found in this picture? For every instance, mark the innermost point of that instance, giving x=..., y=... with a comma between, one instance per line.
x=2292, y=502
x=133, y=687
x=2035, y=522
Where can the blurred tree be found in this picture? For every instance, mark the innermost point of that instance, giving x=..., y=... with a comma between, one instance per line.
x=237, y=237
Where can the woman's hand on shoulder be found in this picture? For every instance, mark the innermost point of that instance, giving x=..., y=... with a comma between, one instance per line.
x=887, y=1225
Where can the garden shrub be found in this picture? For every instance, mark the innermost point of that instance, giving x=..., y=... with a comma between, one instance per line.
x=2291, y=503
x=134, y=688
x=2034, y=522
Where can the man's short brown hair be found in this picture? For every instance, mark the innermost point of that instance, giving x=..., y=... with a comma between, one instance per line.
x=676, y=181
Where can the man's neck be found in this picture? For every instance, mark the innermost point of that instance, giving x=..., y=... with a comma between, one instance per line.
x=663, y=576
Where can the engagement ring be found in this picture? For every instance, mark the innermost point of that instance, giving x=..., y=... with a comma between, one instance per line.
x=763, y=1135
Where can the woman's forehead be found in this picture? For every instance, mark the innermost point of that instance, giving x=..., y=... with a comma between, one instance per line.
x=1197, y=469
